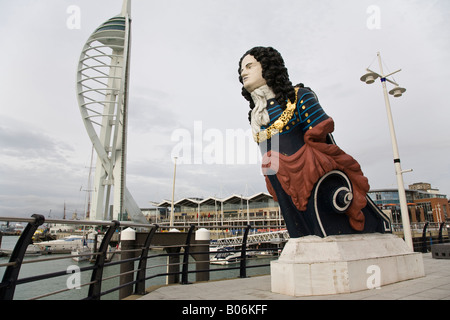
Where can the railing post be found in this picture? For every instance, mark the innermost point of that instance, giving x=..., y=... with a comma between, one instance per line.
x=202, y=242
x=184, y=273
x=173, y=265
x=12, y=272
x=424, y=239
x=243, y=266
x=127, y=244
x=140, y=276
x=97, y=273
x=440, y=240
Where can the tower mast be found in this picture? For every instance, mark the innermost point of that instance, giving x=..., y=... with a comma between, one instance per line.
x=102, y=87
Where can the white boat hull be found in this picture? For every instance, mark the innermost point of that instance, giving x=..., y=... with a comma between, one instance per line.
x=64, y=245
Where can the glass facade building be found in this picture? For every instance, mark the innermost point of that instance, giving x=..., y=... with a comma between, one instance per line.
x=423, y=206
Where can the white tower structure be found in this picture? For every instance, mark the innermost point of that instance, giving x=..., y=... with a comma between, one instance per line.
x=102, y=88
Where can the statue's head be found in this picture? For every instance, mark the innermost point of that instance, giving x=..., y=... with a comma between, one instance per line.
x=251, y=73
x=264, y=65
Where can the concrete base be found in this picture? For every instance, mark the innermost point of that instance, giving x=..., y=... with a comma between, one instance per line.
x=343, y=264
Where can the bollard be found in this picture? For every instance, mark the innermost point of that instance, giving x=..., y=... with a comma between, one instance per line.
x=173, y=263
x=202, y=240
x=127, y=241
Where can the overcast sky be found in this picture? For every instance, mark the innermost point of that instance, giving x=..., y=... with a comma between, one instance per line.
x=184, y=62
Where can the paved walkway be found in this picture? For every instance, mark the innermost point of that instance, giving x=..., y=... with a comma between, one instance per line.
x=434, y=286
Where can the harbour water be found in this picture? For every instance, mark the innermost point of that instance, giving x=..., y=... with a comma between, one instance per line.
x=155, y=265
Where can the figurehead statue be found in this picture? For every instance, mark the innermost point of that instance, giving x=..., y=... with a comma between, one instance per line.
x=321, y=190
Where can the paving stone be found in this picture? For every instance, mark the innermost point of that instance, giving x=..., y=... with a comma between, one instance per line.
x=434, y=286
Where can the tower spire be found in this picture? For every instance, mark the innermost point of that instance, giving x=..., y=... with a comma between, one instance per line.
x=126, y=8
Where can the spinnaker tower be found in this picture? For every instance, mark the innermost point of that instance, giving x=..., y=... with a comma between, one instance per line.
x=102, y=89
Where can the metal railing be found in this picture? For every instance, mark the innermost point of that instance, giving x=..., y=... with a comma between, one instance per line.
x=214, y=221
x=426, y=234
x=132, y=278
x=428, y=239
x=133, y=263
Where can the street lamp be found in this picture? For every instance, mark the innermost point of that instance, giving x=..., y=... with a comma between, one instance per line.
x=369, y=78
x=173, y=192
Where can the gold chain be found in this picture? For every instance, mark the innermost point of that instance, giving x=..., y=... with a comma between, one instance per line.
x=280, y=123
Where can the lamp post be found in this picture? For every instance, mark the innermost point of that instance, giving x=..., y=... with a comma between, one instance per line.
x=173, y=192
x=370, y=78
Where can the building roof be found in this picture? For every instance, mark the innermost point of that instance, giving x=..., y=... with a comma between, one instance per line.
x=210, y=201
x=392, y=189
x=260, y=196
x=187, y=202
x=233, y=199
x=165, y=203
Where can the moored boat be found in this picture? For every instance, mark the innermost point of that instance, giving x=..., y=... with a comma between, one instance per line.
x=63, y=245
x=81, y=254
x=32, y=250
x=226, y=255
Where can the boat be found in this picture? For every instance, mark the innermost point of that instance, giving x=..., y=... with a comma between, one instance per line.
x=227, y=255
x=32, y=250
x=81, y=254
x=91, y=244
x=12, y=230
x=42, y=234
x=84, y=252
x=63, y=245
x=265, y=254
x=109, y=255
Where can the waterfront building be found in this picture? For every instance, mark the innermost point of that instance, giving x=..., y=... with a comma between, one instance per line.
x=259, y=210
x=425, y=204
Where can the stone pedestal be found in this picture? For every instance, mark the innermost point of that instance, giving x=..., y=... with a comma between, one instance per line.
x=342, y=264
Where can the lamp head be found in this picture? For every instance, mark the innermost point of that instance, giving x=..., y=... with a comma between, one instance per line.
x=397, y=91
x=369, y=77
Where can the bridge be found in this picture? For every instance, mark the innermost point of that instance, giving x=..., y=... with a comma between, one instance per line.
x=266, y=237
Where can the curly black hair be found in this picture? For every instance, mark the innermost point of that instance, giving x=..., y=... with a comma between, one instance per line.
x=275, y=74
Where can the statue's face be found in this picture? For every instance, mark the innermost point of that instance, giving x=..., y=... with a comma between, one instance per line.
x=251, y=73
